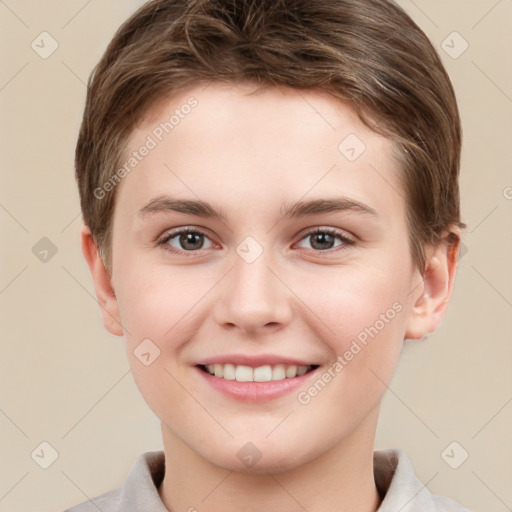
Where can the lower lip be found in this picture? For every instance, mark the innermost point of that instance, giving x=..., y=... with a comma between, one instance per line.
x=256, y=391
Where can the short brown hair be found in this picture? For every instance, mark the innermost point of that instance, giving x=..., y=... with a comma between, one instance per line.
x=367, y=53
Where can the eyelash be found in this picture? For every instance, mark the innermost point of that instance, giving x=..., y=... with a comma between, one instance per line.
x=346, y=241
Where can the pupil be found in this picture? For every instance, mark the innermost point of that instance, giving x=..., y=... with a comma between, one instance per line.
x=191, y=241
x=322, y=241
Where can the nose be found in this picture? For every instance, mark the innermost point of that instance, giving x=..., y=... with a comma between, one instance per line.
x=253, y=298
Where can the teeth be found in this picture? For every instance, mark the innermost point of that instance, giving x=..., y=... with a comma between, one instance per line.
x=279, y=372
x=229, y=372
x=262, y=374
x=301, y=370
x=243, y=373
x=291, y=371
x=218, y=370
x=265, y=373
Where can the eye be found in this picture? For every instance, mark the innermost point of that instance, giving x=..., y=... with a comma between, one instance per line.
x=323, y=239
x=192, y=240
x=185, y=239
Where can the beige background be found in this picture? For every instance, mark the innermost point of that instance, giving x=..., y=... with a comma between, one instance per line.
x=65, y=380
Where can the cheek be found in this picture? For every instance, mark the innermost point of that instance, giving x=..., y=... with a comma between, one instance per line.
x=366, y=315
x=157, y=315
x=160, y=309
x=157, y=301
x=351, y=300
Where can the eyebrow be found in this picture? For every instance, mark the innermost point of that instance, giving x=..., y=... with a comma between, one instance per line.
x=296, y=210
x=200, y=208
x=317, y=206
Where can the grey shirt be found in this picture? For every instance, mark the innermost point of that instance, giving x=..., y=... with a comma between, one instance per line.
x=394, y=477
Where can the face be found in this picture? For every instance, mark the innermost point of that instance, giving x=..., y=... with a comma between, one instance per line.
x=259, y=236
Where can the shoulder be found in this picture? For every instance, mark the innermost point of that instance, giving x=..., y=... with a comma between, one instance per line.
x=400, y=488
x=139, y=492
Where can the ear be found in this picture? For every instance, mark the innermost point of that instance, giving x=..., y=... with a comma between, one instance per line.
x=431, y=301
x=102, y=283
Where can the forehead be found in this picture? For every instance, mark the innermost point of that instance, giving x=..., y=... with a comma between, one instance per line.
x=236, y=142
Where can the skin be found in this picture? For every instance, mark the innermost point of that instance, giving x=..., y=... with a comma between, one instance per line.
x=248, y=154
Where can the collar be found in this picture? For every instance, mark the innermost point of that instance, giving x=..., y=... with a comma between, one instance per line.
x=395, y=480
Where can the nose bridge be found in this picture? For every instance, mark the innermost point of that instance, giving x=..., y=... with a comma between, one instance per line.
x=253, y=296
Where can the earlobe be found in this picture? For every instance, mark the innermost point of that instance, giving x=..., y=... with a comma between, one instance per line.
x=102, y=283
x=432, y=299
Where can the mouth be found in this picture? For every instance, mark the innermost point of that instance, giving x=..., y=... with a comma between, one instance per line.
x=264, y=373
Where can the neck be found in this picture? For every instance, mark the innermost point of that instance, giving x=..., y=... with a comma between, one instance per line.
x=341, y=479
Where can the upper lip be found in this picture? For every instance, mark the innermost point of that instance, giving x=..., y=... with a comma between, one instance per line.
x=254, y=361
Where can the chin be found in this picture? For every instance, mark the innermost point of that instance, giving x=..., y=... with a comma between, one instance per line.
x=261, y=458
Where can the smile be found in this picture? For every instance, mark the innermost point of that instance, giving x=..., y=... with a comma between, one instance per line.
x=265, y=373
